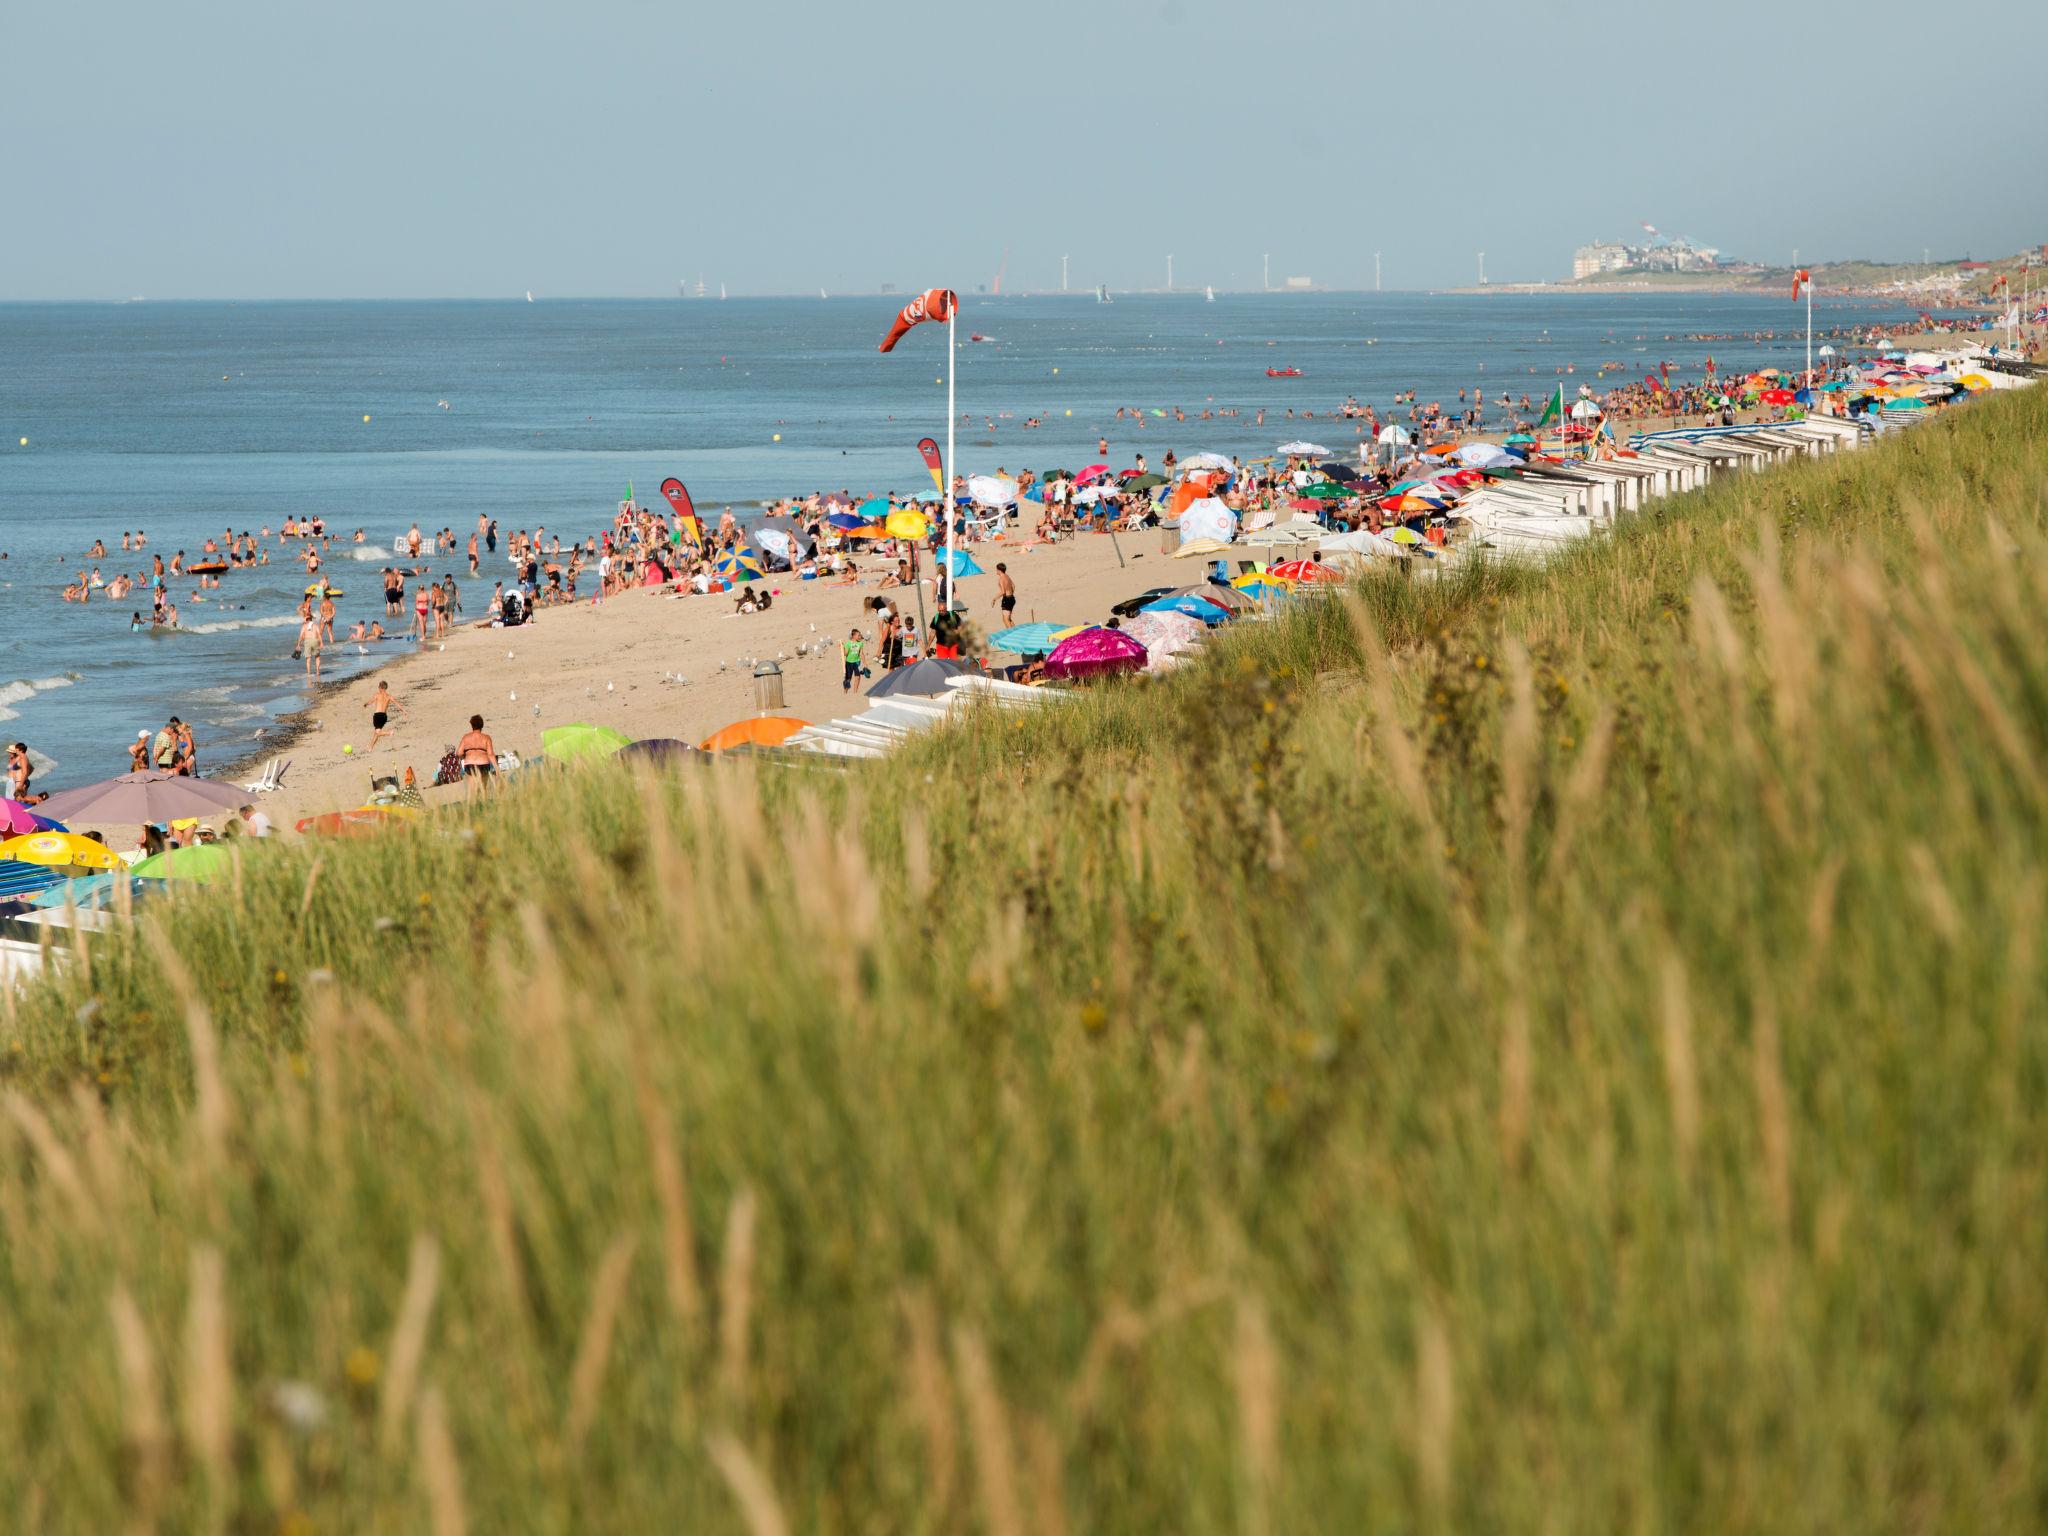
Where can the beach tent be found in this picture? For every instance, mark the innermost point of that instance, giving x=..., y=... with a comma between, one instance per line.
x=963, y=564
x=1094, y=652
x=760, y=731
x=1026, y=639
x=149, y=795
x=564, y=743
x=924, y=679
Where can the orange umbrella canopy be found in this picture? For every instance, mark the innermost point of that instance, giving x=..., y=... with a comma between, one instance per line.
x=761, y=731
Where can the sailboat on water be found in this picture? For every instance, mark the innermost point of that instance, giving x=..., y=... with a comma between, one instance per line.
x=1102, y=294
x=1208, y=294
x=529, y=295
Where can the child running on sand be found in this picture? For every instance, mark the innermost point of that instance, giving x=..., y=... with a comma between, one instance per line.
x=381, y=707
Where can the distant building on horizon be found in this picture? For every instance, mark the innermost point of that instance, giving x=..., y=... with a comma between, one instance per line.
x=1601, y=256
x=1298, y=284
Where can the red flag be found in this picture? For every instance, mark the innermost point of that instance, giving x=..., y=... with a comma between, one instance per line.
x=930, y=451
x=932, y=304
x=679, y=497
x=1799, y=280
x=1664, y=369
x=1656, y=384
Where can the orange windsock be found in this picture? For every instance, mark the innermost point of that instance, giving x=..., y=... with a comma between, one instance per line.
x=932, y=304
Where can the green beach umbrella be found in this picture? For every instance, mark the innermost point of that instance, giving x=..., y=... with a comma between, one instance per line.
x=1327, y=490
x=562, y=743
x=207, y=862
x=1144, y=482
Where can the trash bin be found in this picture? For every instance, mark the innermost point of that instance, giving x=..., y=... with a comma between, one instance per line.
x=767, y=687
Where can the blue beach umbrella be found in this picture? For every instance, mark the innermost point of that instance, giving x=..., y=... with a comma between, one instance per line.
x=874, y=509
x=1194, y=607
x=845, y=521
x=1264, y=591
x=1026, y=639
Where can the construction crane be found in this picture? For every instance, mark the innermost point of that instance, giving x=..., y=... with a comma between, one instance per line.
x=996, y=288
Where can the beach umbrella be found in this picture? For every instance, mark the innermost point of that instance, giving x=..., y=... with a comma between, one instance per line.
x=87, y=892
x=353, y=823
x=992, y=490
x=1360, y=542
x=870, y=531
x=924, y=679
x=1303, y=450
x=963, y=564
x=1305, y=504
x=737, y=567
x=1091, y=474
x=905, y=523
x=1094, y=652
x=1394, y=436
x=149, y=795
x=1404, y=536
x=1025, y=639
x=1204, y=610
x=1305, y=570
x=16, y=818
x=1259, y=589
x=1198, y=549
x=775, y=541
x=874, y=510
x=202, y=864
x=565, y=743
x=1143, y=482
x=1584, y=410
x=1827, y=351
x=1343, y=474
x=1205, y=461
x=658, y=749
x=1905, y=403
x=760, y=731
x=1164, y=634
x=843, y=521
x=1325, y=491
x=1484, y=455
x=60, y=850
x=1090, y=496
x=1207, y=518
x=1776, y=397
x=1282, y=538
x=835, y=499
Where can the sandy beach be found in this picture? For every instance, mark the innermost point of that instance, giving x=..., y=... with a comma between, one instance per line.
x=615, y=663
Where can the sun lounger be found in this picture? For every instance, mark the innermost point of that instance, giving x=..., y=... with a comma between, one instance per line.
x=272, y=777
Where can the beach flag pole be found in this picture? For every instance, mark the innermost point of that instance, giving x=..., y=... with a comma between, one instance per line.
x=946, y=507
x=1809, y=335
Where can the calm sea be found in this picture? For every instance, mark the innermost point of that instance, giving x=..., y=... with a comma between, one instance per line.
x=188, y=419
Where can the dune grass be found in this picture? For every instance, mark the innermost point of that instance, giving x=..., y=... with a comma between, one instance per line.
x=1543, y=1050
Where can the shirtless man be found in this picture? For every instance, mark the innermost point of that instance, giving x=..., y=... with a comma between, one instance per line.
x=1006, y=594
x=381, y=706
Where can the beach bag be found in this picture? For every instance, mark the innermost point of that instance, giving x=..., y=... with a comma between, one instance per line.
x=450, y=771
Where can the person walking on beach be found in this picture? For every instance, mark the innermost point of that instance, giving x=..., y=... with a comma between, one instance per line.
x=472, y=554
x=478, y=755
x=1006, y=593
x=19, y=771
x=381, y=706
x=309, y=646
x=853, y=649
x=420, y=603
x=326, y=615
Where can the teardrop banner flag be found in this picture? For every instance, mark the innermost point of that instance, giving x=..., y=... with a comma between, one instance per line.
x=679, y=497
x=930, y=450
x=932, y=304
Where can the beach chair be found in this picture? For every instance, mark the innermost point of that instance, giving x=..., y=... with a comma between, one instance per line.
x=272, y=777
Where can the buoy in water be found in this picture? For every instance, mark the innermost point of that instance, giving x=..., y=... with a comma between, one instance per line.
x=366, y=415
x=778, y=437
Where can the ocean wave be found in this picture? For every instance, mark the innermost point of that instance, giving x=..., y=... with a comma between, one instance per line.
x=22, y=689
x=223, y=626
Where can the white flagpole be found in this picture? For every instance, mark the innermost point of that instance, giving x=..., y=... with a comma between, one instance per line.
x=946, y=500
x=1809, y=333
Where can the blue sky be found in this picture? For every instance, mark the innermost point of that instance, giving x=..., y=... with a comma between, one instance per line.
x=268, y=148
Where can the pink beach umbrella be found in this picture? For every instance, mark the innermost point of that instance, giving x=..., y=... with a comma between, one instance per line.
x=1093, y=652
x=18, y=820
